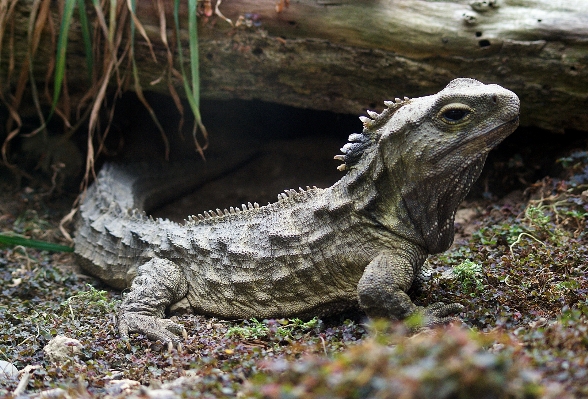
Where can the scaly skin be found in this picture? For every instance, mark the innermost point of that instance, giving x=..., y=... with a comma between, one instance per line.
x=315, y=251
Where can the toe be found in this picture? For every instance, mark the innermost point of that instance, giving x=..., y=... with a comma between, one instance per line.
x=450, y=308
x=435, y=307
x=154, y=328
x=175, y=328
x=440, y=313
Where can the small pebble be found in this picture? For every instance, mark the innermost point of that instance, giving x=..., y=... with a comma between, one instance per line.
x=7, y=370
x=62, y=348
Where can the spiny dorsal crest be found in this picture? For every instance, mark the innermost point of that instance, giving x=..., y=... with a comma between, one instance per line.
x=211, y=215
x=354, y=149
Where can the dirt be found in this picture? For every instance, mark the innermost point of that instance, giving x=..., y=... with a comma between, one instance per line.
x=526, y=311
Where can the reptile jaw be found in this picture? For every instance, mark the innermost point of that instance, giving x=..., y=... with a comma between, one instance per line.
x=490, y=138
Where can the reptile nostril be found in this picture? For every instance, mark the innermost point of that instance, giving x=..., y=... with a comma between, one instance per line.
x=494, y=99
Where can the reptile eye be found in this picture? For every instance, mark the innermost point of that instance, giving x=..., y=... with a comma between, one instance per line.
x=454, y=115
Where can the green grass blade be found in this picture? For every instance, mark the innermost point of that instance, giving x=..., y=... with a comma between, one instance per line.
x=181, y=53
x=61, y=50
x=193, y=90
x=194, y=60
x=86, y=37
x=133, y=6
x=26, y=242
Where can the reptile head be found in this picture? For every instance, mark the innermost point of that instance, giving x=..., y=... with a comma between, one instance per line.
x=466, y=119
x=439, y=145
x=426, y=153
x=439, y=133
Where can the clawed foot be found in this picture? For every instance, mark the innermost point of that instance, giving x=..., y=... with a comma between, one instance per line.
x=154, y=328
x=439, y=313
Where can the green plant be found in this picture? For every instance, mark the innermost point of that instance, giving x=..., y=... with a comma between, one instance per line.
x=97, y=299
x=282, y=329
x=520, y=237
x=31, y=224
x=449, y=363
x=251, y=329
x=109, y=47
x=469, y=274
x=537, y=217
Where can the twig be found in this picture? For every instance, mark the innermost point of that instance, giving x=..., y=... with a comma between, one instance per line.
x=24, y=380
x=218, y=12
x=521, y=236
x=324, y=345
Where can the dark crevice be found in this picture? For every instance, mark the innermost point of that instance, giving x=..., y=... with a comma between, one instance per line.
x=523, y=158
x=297, y=146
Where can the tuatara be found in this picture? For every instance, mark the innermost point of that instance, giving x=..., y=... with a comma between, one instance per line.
x=315, y=251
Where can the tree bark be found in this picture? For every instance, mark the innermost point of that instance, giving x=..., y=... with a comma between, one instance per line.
x=347, y=56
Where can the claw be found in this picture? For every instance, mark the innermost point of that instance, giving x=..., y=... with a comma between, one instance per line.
x=154, y=328
x=178, y=347
x=184, y=333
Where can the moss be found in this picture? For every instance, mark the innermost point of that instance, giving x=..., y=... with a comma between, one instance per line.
x=528, y=313
x=450, y=363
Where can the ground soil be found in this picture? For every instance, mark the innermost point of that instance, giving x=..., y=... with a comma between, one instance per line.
x=284, y=156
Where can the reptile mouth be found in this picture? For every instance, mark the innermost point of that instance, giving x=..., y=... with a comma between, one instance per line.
x=495, y=138
x=490, y=138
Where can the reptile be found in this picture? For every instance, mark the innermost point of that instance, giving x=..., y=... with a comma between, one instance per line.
x=359, y=243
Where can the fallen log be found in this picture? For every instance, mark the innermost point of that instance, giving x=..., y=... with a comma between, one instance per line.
x=348, y=56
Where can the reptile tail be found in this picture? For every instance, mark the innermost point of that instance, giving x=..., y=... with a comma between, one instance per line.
x=114, y=206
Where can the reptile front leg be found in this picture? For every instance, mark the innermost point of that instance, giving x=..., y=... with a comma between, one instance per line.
x=382, y=292
x=158, y=284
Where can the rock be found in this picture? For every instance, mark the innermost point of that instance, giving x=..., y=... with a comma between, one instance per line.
x=465, y=218
x=117, y=387
x=162, y=394
x=183, y=383
x=181, y=307
x=55, y=393
x=62, y=348
x=7, y=370
x=465, y=215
